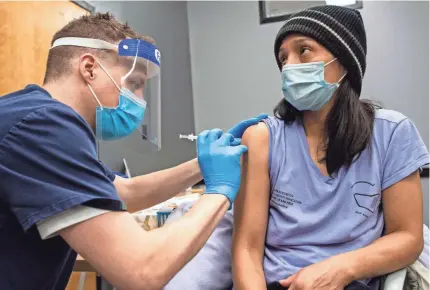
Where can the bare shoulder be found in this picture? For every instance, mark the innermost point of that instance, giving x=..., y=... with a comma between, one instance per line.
x=257, y=135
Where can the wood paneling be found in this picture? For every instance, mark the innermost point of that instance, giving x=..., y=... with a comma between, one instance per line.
x=26, y=31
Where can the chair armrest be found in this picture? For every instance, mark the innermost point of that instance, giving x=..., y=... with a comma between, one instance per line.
x=395, y=280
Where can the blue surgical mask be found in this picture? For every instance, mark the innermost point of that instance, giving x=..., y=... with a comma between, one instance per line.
x=304, y=87
x=117, y=123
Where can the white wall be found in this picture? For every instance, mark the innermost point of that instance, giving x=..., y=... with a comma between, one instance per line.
x=398, y=58
x=234, y=73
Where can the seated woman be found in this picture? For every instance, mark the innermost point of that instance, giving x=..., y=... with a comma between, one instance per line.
x=331, y=191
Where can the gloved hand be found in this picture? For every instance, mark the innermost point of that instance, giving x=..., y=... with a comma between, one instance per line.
x=238, y=130
x=219, y=160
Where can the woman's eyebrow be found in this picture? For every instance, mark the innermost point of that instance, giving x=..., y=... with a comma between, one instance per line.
x=302, y=40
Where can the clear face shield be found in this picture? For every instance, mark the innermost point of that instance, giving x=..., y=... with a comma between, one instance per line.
x=141, y=61
x=135, y=123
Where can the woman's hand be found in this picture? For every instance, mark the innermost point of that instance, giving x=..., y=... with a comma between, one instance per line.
x=330, y=274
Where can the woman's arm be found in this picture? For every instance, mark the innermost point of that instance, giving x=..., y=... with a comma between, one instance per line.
x=403, y=240
x=400, y=247
x=251, y=212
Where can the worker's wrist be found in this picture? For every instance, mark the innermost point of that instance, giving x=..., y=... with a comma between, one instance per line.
x=197, y=171
x=221, y=201
x=228, y=191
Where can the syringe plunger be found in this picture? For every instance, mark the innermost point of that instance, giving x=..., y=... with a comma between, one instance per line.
x=190, y=137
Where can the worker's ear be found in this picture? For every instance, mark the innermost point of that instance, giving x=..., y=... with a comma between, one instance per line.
x=88, y=67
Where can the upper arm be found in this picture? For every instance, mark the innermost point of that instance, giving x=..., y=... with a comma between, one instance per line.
x=402, y=193
x=252, y=203
x=403, y=206
x=50, y=227
x=115, y=245
x=49, y=164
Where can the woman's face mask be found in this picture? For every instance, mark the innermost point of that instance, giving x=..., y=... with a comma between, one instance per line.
x=304, y=87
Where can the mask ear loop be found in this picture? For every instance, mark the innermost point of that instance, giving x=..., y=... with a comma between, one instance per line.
x=95, y=97
x=330, y=61
x=91, y=89
x=103, y=68
x=341, y=79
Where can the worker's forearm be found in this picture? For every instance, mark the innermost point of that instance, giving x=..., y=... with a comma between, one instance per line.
x=248, y=271
x=177, y=243
x=150, y=189
x=387, y=254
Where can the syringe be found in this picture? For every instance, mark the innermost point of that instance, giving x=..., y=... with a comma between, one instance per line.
x=190, y=137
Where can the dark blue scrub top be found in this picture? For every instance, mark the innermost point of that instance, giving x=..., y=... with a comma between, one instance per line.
x=48, y=164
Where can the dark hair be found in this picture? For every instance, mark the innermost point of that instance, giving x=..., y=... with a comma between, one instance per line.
x=100, y=26
x=348, y=126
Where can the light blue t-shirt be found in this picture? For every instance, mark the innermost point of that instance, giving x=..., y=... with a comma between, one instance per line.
x=313, y=217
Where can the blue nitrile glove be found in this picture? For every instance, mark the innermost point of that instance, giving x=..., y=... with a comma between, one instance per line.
x=238, y=130
x=219, y=162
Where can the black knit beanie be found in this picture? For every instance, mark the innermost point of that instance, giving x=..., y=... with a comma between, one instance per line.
x=339, y=29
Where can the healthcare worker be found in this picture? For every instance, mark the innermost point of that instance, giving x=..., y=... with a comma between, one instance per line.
x=55, y=195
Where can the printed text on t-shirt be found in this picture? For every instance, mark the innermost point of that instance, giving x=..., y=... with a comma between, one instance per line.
x=283, y=199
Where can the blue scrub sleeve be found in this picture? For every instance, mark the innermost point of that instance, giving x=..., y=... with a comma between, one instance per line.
x=406, y=153
x=48, y=164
